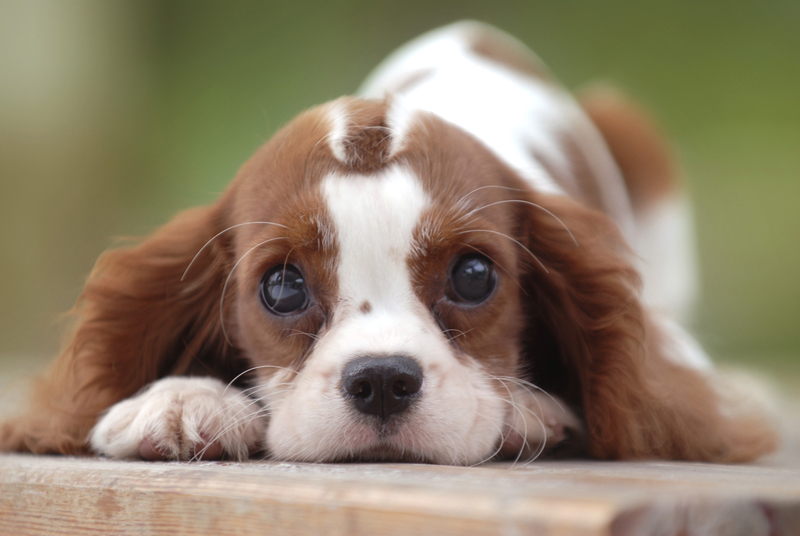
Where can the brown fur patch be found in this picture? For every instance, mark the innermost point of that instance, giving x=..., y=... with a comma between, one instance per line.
x=636, y=144
x=366, y=307
x=590, y=328
x=368, y=139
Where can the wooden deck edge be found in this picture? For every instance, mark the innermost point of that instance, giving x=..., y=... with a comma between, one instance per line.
x=53, y=495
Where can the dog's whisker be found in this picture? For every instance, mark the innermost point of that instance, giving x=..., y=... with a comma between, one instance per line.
x=227, y=280
x=295, y=332
x=223, y=232
x=251, y=369
x=517, y=242
x=238, y=420
x=543, y=444
x=535, y=399
x=516, y=407
x=468, y=207
x=460, y=333
x=525, y=442
x=463, y=198
x=501, y=435
x=528, y=385
x=540, y=207
x=233, y=421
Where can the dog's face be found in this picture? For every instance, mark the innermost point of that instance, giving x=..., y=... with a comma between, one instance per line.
x=377, y=289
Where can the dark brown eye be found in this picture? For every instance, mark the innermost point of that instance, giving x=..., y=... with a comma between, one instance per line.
x=473, y=278
x=283, y=290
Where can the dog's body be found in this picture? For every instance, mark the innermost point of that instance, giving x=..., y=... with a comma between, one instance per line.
x=386, y=277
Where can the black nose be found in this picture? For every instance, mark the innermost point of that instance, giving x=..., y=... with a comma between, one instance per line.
x=382, y=386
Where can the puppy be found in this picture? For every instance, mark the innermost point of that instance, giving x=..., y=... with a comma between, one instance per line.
x=461, y=264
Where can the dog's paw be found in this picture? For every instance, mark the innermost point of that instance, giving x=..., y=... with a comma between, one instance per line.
x=181, y=419
x=537, y=422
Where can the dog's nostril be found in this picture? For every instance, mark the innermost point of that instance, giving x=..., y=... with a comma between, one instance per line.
x=382, y=386
x=399, y=388
x=364, y=390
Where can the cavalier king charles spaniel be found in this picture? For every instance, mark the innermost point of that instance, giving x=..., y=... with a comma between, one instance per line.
x=462, y=263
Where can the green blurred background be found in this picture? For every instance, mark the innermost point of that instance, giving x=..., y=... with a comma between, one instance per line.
x=116, y=114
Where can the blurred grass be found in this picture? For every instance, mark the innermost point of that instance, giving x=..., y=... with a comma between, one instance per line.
x=113, y=116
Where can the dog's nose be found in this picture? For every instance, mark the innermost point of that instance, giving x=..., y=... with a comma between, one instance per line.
x=382, y=386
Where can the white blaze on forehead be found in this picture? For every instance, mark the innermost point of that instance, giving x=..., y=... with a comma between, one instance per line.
x=374, y=217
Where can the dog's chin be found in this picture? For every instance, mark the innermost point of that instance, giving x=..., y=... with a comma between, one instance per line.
x=394, y=441
x=385, y=451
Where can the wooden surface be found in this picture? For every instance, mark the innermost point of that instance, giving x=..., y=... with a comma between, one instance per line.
x=55, y=495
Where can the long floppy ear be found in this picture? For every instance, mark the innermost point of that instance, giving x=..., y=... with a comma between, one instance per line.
x=591, y=341
x=135, y=322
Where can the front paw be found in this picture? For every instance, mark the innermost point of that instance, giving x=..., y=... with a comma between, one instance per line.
x=181, y=419
x=538, y=423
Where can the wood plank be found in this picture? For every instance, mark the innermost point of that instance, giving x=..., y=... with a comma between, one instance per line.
x=56, y=495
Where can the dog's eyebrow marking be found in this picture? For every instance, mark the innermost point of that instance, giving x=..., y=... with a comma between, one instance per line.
x=399, y=118
x=366, y=307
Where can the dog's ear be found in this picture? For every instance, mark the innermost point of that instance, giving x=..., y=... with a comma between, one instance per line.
x=137, y=319
x=634, y=139
x=590, y=340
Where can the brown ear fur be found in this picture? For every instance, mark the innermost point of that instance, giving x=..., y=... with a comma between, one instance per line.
x=134, y=322
x=591, y=332
x=634, y=139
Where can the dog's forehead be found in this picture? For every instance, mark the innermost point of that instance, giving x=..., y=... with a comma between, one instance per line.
x=374, y=218
x=369, y=186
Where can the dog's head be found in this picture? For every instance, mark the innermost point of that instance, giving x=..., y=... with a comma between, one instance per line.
x=391, y=285
x=382, y=294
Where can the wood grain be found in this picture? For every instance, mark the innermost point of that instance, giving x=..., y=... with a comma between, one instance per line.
x=57, y=495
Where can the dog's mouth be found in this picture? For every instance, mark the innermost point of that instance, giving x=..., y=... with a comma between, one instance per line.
x=385, y=440
x=386, y=450
x=388, y=453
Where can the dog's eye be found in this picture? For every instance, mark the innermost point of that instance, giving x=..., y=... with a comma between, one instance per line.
x=473, y=278
x=283, y=290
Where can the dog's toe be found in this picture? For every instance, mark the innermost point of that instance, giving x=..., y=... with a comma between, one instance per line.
x=181, y=419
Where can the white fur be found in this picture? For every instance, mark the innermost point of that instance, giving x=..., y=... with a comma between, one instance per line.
x=667, y=254
x=679, y=346
x=178, y=414
x=374, y=218
x=399, y=118
x=337, y=135
x=491, y=103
